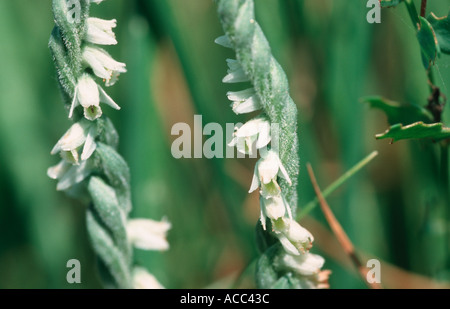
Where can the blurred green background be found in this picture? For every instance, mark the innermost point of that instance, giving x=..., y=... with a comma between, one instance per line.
x=392, y=210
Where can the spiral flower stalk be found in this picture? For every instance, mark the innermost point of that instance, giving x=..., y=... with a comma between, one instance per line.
x=286, y=261
x=90, y=166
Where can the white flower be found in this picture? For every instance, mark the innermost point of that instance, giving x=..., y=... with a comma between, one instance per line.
x=96, y=1
x=82, y=132
x=223, y=41
x=307, y=264
x=307, y=269
x=148, y=234
x=256, y=130
x=295, y=239
x=273, y=208
x=89, y=95
x=99, y=31
x=69, y=175
x=142, y=279
x=236, y=73
x=267, y=169
x=245, y=101
x=103, y=65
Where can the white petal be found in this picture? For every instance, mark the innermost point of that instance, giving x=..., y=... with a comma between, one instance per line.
x=107, y=61
x=298, y=233
x=287, y=245
x=223, y=41
x=103, y=24
x=262, y=219
x=255, y=180
x=105, y=98
x=98, y=26
x=98, y=68
x=99, y=31
x=283, y=173
x=74, y=175
x=88, y=94
x=245, y=144
x=89, y=145
x=274, y=207
x=300, y=237
x=233, y=142
x=268, y=168
x=307, y=264
x=264, y=136
x=148, y=234
x=250, y=128
x=233, y=65
x=236, y=77
x=262, y=216
x=97, y=36
x=75, y=102
x=288, y=208
x=236, y=73
x=248, y=106
x=56, y=172
x=73, y=138
x=103, y=65
x=56, y=149
x=142, y=279
x=240, y=145
x=113, y=79
x=240, y=96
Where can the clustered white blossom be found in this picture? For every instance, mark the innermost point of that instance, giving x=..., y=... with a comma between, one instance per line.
x=78, y=144
x=256, y=134
x=147, y=234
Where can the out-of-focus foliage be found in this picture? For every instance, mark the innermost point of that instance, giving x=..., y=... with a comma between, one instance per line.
x=393, y=210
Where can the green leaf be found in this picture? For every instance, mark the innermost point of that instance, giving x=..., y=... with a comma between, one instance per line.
x=418, y=130
x=266, y=275
x=107, y=207
x=390, y=3
x=428, y=43
x=397, y=113
x=441, y=26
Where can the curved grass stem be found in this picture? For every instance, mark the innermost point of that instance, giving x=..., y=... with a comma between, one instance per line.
x=338, y=183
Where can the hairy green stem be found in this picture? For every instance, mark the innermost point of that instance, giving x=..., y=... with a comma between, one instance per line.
x=285, y=250
x=269, y=81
